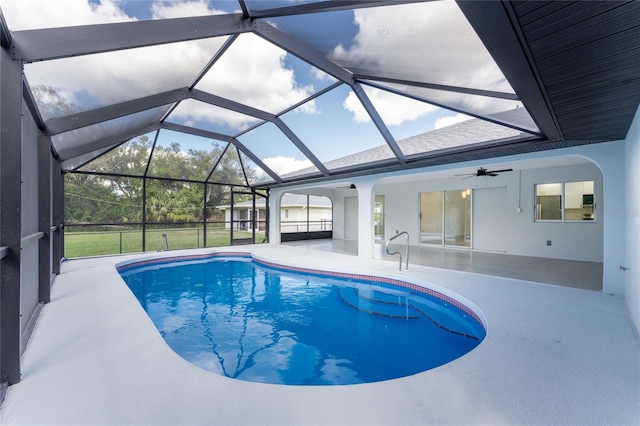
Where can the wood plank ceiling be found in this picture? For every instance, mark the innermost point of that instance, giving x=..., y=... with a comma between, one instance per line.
x=587, y=55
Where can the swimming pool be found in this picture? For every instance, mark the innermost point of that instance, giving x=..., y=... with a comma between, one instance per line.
x=251, y=320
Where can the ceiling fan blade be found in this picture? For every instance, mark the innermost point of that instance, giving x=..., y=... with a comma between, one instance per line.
x=484, y=172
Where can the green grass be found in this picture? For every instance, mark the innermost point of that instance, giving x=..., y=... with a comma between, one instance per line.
x=81, y=244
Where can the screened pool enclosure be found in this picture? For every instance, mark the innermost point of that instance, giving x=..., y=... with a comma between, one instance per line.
x=229, y=103
x=132, y=126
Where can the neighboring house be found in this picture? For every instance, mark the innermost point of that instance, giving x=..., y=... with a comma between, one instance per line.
x=298, y=213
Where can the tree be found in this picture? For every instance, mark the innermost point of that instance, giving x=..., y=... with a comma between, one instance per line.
x=99, y=199
x=115, y=196
x=130, y=158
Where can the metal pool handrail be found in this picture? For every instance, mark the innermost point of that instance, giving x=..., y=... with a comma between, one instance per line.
x=386, y=246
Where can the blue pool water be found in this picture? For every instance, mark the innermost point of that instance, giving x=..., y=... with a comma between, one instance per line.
x=250, y=321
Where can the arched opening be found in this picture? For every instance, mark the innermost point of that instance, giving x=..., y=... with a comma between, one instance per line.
x=305, y=217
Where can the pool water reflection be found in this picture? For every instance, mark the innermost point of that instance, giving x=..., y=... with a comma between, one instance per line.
x=249, y=321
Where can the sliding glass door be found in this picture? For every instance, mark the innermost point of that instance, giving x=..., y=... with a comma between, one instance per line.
x=378, y=218
x=431, y=218
x=457, y=218
x=445, y=218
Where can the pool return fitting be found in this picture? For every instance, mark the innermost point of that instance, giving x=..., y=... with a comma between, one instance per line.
x=386, y=246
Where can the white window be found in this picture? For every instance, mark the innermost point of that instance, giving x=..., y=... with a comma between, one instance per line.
x=565, y=201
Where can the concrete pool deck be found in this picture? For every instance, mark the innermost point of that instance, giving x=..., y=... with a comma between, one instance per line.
x=552, y=355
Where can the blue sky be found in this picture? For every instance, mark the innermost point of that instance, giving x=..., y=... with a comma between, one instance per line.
x=252, y=72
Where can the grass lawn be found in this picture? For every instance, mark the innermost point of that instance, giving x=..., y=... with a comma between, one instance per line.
x=81, y=244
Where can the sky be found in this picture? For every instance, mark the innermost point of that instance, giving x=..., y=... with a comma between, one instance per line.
x=261, y=75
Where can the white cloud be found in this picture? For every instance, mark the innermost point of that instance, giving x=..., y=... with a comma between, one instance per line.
x=182, y=9
x=113, y=77
x=428, y=42
x=353, y=104
x=283, y=165
x=448, y=121
x=191, y=111
x=432, y=38
x=253, y=72
x=321, y=75
x=107, y=78
x=31, y=14
x=394, y=109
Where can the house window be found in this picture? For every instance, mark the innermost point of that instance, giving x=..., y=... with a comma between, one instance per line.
x=286, y=213
x=565, y=201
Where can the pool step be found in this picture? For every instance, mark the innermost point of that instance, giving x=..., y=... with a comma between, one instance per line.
x=376, y=303
x=441, y=316
x=392, y=306
x=382, y=297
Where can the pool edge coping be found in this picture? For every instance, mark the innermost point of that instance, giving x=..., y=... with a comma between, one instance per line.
x=406, y=282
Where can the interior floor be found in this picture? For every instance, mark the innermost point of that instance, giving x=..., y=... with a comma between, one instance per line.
x=568, y=273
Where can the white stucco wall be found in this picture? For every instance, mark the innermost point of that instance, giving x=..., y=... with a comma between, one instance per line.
x=511, y=232
x=339, y=221
x=632, y=218
x=610, y=157
x=578, y=241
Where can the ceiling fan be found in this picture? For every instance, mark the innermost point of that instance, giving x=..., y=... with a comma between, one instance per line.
x=349, y=186
x=484, y=172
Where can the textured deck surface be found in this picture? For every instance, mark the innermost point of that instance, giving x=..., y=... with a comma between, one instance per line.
x=569, y=273
x=552, y=355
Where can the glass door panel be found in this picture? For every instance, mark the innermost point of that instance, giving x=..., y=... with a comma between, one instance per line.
x=457, y=218
x=378, y=218
x=242, y=218
x=431, y=218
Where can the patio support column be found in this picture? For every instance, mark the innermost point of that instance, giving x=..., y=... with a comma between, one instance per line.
x=57, y=206
x=10, y=215
x=44, y=218
x=275, y=198
x=366, y=229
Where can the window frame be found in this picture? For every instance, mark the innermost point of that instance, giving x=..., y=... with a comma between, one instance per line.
x=563, y=202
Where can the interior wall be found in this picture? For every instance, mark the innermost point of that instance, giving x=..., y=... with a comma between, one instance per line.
x=511, y=232
x=632, y=218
